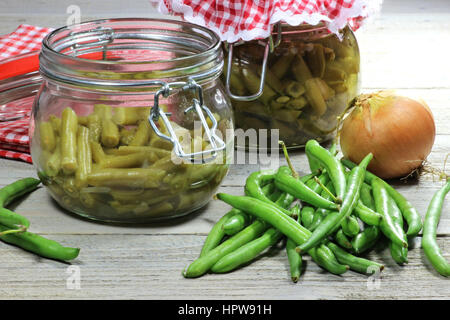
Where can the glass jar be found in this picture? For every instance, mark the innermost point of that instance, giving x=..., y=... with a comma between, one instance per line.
x=131, y=123
x=310, y=78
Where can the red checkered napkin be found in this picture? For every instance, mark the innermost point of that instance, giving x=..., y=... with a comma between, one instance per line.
x=26, y=38
x=235, y=20
x=14, y=139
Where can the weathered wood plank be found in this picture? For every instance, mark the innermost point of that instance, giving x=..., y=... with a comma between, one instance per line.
x=139, y=267
x=404, y=47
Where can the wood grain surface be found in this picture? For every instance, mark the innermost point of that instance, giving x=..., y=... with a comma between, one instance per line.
x=405, y=47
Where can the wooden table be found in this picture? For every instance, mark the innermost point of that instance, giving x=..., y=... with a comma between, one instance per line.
x=405, y=47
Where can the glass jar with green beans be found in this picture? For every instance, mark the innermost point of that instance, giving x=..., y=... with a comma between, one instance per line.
x=310, y=78
x=132, y=123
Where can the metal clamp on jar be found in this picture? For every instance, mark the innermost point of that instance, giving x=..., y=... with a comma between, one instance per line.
x=298, y=85
x=132, y=122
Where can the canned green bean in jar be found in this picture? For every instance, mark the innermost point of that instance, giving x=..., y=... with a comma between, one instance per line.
x=308, y=78
x=131, y=123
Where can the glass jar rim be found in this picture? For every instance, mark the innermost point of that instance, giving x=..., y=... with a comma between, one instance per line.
x=197, y=51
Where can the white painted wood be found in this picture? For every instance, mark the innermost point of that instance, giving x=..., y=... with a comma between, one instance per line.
x=404, y=47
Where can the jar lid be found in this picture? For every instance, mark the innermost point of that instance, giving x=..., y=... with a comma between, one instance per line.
x=19, y=82
x=250, y=19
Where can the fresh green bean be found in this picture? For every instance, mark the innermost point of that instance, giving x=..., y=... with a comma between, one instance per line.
x=366, y=239
x=16, y=189
x=217, y=233
x=241, y=219
x=350, y=226
x=205, y=262
x=294, y=258
x=398, y=253
x=44, y=247
x=300, y=191
x=317, y=219
x=255, y=182
x=307, y=216
x=247, y=252
x=355, y=263
x=275, y=217
x=342, y=239
x=387, y=225
x=316, y=187
x=366, y=196
x=333, y=220
x=367, y=215
x=12, y=220
x=410, y=214
x=326, y=257
x=429, y=244
x=236, y=223
x=334, y=168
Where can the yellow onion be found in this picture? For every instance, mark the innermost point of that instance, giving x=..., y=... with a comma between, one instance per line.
x=398, y=131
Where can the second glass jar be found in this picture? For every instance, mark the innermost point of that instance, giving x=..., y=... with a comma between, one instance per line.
x=312, y=76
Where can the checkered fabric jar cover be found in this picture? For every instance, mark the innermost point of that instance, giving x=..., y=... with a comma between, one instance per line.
x=235, y=20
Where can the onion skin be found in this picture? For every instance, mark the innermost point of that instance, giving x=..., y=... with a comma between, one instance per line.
x=397, y=130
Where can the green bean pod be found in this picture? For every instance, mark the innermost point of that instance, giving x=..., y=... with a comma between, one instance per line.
x=294, y=258
x=44, y=247
x=307, y=216
x=236, y=223
x=17, y=189
x=300, y=191
x=366, y=239
x=342, y=239
x=429, y=244
x=387, y=225
x=367, y=215
x=334, y=168
x=366, y=196
x=355, y=263
x=410, y=214
x=314, y=186
x=254, y=182
x=398, y=253
x=317, y=219
x=274, y=216
x=12, y=220
x=350, y=226
x=247, y=252
x=205, y=262
x=333, y=220
x=217, y=233
x=240, y=220
x=325, y=256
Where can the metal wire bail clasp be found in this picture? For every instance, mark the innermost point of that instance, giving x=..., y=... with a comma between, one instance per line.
x=216, y=143
x=268, y=47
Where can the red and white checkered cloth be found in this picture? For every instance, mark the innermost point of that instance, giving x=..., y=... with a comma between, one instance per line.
x=235, y=20
x=14, y=139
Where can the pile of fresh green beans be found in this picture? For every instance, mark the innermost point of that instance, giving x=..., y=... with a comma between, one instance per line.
x=13, y=226
x=334, y=215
